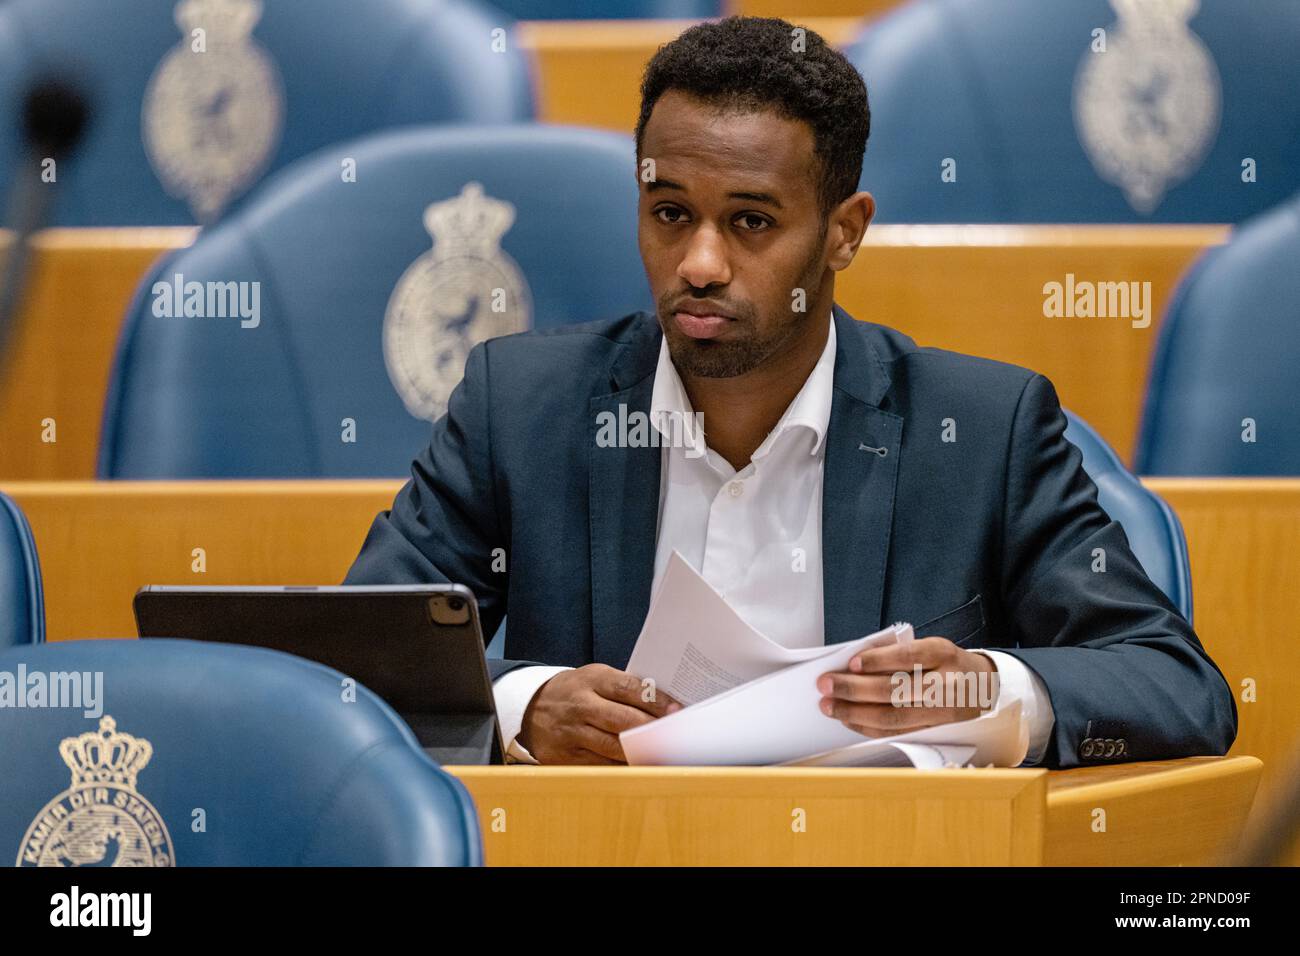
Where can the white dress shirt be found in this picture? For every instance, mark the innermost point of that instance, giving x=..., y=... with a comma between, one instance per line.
x=756, y=536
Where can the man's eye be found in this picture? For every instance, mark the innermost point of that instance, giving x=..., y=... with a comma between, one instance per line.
x=752, y=222
x=669, y=214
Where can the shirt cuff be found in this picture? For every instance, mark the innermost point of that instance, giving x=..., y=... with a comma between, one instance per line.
x=513, y=691
x=1017, y=681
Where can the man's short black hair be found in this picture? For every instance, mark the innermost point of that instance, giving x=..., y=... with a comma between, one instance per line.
x=765, y=63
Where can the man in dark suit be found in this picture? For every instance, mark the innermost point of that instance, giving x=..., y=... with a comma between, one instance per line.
x=845, y=478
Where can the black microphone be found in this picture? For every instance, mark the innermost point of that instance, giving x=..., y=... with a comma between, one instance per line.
x=54, y=118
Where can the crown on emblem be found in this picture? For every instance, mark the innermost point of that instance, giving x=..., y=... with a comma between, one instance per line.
x=222, y=19
x=105, y=756
x=471, y=221
x=1155, y=14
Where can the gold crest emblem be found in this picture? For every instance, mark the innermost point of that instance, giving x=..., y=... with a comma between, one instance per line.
x=1147, y=109
x=465, y=290
x=214, y=107
x=102, y=819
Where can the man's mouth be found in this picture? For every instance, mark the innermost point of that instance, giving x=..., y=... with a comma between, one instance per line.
x=701, y=323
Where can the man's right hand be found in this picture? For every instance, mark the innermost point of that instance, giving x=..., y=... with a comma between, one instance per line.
x=577, y=715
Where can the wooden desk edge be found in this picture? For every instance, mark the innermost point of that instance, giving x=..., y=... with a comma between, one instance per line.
x=298, y=486
x=1215, y=768
x=1012, y=781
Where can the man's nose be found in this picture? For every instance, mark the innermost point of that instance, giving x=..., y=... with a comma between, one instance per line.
x=705, y=262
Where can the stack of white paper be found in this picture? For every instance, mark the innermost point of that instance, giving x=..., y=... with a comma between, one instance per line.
x=753, y=702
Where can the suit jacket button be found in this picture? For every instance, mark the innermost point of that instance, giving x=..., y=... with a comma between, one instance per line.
x=1085, y=749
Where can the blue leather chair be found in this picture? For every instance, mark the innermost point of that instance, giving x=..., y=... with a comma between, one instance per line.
x=23, y=620
x=253, y=758
x=208, y=398
x=330, y=70
x=1044, y=130
x=1153, y=530
x=1227, y=352
x=610, y=9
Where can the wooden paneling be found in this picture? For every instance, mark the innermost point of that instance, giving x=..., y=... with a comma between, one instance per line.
x=976, y=289
x=589, y=72
x=99, y=542
x=1243, y=537
x=979, y=289
x=805, y=11
x=81, y=282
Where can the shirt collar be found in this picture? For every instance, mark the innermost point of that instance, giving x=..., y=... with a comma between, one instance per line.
x=810, y=409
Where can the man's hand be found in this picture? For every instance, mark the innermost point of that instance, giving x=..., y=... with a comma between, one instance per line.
x=577, y=715
x=882, y=693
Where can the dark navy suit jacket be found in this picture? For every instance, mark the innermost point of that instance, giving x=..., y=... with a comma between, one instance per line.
x=987, y=540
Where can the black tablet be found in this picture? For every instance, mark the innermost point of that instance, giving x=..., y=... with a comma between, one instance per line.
x=419, y=647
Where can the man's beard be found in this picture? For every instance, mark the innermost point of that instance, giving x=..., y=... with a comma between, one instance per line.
x=744, y=348
x=743, y=351
x=713, y=360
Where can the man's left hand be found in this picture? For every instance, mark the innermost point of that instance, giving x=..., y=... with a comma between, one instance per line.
x=880, y=694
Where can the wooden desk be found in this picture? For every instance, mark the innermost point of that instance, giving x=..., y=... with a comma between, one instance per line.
x=100, y=541
x=1181, y=812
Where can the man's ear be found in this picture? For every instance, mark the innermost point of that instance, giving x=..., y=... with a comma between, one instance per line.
x=848, y=225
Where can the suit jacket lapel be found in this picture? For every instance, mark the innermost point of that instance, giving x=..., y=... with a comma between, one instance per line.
x=624, y=506
x=863, y=444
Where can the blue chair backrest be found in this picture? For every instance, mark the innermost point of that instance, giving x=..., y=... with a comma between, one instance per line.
x=22, y=618
x=1001, y=111
x=1221, y=399
x=610, y=9
x=1153, y=530
x=178, y=135
x=238, y=756
x=371, y=294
